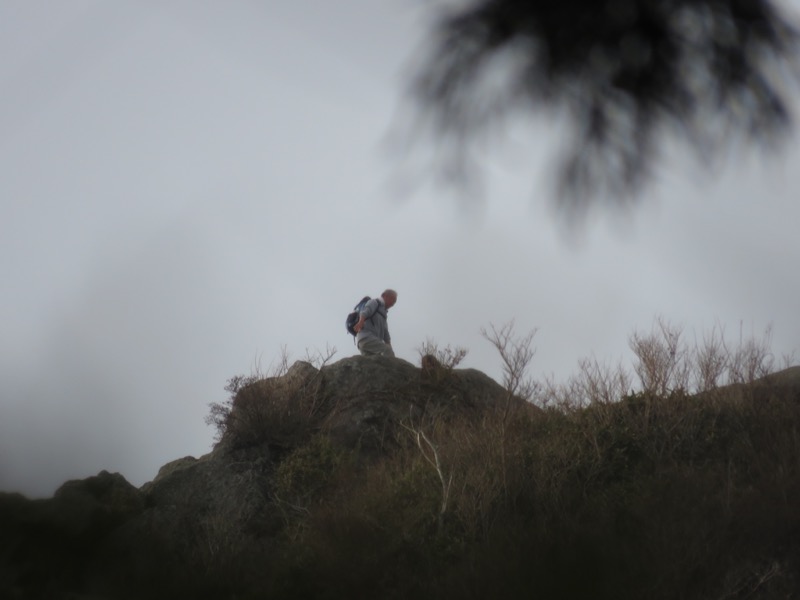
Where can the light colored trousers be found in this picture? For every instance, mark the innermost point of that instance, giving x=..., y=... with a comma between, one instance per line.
x=372, y=346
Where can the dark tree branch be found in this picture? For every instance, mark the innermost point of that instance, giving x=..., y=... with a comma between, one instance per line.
x=626, y=72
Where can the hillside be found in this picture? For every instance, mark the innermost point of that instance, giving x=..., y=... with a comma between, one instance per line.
x=373, y=478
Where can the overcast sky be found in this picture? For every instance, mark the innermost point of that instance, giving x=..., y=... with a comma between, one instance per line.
x=187, y=187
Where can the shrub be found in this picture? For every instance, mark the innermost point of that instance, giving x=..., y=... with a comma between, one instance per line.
x=281, y=410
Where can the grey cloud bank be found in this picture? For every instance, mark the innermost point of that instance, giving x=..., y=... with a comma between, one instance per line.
x=187, y=188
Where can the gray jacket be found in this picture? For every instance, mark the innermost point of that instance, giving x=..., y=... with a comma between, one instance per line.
x=375, y=326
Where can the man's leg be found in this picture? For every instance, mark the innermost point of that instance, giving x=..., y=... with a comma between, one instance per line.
x=374, y=347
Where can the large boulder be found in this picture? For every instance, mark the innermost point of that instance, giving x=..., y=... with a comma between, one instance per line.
x=370, y=398
x=358, y=401
x=47, y=546
x=96, y=503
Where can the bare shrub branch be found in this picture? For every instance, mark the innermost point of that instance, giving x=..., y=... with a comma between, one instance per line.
x=752, y=358
x=748, y=583
x=663, y=360
x=598, y=383
x=710, y=360
x=516, y=354
x=282, y=365
x=448, y=357
x=430, y=453
x=320, y=358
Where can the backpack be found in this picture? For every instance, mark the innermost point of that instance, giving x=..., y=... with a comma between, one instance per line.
x=352, y=318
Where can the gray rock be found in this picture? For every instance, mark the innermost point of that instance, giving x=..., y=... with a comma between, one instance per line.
x=361, y=402
x=98, y=502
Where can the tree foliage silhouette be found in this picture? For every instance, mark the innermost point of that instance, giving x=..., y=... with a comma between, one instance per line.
x=627, y=74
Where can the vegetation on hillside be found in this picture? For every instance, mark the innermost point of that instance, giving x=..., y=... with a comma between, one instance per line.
x=686, y=487
x=678, y=479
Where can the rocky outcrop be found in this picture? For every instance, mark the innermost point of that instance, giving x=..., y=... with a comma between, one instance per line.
x=102, y=533
x=367, y=398
x=94, y=532
x=358, y=401
x=47, y=546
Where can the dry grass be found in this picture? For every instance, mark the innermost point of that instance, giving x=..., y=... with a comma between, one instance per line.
x=661, y=483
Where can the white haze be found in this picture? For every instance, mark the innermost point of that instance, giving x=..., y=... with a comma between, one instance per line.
x=188, y=187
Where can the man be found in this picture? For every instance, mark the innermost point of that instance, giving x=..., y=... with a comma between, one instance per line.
x=372, y=330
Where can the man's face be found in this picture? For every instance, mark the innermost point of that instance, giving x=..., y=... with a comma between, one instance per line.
x=390, y=301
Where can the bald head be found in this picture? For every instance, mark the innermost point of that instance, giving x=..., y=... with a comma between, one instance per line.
x=389, y=297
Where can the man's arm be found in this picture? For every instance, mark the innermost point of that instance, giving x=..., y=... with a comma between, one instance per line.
x=368, y=310
x=357, y=327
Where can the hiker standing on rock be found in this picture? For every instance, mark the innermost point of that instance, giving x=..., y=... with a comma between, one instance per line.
x=372, y=330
